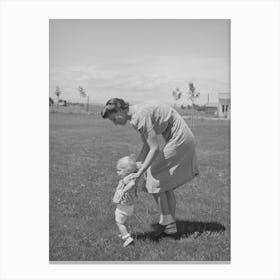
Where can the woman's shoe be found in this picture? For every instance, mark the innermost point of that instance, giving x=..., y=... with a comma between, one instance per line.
x=158, y=229
x=171, y=228
x=167, y=229
x=155, y=225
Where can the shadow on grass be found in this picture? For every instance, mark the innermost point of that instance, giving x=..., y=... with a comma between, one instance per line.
x=184, y=229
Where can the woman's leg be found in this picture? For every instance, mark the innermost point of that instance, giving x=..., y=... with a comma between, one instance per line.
x=171, y=200
x=165, y=214
x=166, y=222
x=161, y=200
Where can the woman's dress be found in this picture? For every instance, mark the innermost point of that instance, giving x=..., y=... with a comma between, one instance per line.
x=176, y=164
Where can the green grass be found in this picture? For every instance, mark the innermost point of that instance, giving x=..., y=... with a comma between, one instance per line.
x=83, y=154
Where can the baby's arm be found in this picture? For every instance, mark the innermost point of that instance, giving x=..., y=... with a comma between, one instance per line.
x=130, y=185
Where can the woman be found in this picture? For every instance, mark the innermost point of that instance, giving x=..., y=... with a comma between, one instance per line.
x=165, y=169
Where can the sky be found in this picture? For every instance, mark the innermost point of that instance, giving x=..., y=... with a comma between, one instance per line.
x=139, y=60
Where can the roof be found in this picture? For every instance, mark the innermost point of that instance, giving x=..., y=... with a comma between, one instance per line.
x=224, y=100
x=211, y=105
x=224, y=95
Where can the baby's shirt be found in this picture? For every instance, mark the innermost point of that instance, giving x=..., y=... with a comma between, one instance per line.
x=127, y=198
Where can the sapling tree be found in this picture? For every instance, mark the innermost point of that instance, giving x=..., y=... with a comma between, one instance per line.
x=192, y=96
x=83, y=94
x=57, y=93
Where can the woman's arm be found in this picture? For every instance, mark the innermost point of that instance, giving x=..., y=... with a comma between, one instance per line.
x=129, y=186
x=153, y=150
x=144, y=151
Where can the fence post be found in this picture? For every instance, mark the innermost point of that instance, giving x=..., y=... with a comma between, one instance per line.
x=87, y=103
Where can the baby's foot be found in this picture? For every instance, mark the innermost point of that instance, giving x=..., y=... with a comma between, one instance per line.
x=129, y=240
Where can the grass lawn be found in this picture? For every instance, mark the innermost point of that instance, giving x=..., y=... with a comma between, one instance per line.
x=84, y=150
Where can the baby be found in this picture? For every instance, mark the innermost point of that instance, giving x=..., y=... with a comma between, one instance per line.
x=125, y=196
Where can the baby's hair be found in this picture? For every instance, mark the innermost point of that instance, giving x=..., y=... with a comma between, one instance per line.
x=112, y=106
x=128, y=162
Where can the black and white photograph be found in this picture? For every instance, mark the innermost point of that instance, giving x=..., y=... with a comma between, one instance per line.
x=139, y=115
x=139, y=139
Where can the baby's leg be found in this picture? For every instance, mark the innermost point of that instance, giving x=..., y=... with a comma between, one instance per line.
x=122, y=229
x=121, y=218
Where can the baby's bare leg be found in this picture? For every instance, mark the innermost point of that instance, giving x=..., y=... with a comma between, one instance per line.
x=120, y=221
x=122, y=229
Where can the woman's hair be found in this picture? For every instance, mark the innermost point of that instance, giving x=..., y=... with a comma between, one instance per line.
x=128, y=162
x=112, y=106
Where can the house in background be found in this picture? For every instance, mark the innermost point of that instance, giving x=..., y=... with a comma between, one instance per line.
x=211, y=109
x=224, y=105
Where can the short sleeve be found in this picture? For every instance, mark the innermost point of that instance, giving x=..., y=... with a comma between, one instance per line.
x=118, y=193
x=143, y=123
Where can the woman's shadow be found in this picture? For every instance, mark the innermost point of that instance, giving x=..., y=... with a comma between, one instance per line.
x=184, y=229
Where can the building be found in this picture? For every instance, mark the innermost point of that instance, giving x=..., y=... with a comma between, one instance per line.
x=211, y=109
x=224, y=105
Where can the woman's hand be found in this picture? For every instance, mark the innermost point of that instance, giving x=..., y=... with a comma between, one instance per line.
x=134, y=176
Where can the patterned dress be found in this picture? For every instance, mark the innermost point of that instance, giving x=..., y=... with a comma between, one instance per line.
x=176, y=164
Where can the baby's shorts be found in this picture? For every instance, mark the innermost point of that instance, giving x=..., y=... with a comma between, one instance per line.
x=123, y=212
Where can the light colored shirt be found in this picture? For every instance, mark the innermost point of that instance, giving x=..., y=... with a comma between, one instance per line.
x=176, y=164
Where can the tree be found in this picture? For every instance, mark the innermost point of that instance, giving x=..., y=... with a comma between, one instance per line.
x=83, y=94
x=51, y=102
x=57, y=93
x=193, y=95
x=82, y=91
x=177, y=94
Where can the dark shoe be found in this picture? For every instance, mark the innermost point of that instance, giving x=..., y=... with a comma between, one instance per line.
x=169, y=229
x=155, y=225
x=158, y=230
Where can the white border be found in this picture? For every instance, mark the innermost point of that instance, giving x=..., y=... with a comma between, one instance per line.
x=254, y=143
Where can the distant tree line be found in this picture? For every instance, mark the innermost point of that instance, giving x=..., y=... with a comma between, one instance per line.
x=62, y=102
